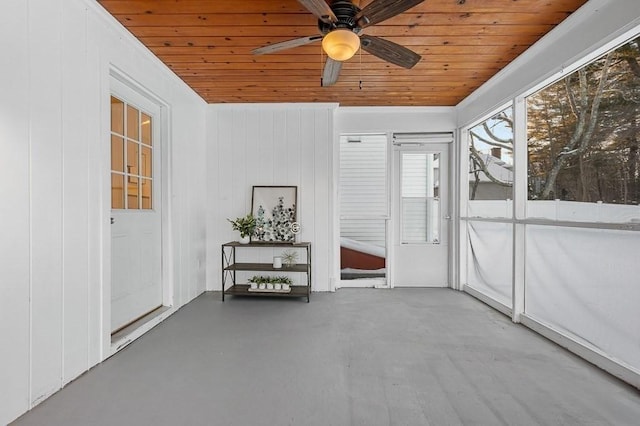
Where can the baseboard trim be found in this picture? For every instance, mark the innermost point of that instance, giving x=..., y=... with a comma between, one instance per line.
x=584, y=350
x=488, y=300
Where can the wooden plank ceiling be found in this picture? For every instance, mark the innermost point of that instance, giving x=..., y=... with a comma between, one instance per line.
x=463, y=43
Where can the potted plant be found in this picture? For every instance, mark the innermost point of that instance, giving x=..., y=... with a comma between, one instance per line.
x=281, y=283
x=259, y=282
x=245, y=225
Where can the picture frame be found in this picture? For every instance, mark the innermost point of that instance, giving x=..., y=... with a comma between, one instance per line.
x=275, y=210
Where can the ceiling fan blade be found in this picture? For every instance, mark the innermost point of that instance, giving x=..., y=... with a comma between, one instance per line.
x=321, y=9
x=331, y=72
x=381, y=10
x=270, y=48
x=389, y=51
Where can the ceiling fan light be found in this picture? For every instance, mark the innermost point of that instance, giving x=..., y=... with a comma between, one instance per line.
x=341, y=44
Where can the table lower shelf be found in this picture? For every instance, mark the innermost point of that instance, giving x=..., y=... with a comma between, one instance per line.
x=243, y=290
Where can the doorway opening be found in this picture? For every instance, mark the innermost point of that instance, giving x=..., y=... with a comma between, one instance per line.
x=364, y=210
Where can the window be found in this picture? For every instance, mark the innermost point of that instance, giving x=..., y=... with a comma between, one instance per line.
x=583, y=132
x=131, y=157
x=491, y=158
x=420, y=197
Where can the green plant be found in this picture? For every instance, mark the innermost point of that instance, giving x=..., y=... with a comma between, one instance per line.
x=246, y=225
x=259, y=279
x=281, y=280
x=290, y=257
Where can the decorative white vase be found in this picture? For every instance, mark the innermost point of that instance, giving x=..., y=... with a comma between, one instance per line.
x=245, y=240
x=277, y=286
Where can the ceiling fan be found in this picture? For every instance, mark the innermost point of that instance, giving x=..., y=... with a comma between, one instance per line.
x=341, y=25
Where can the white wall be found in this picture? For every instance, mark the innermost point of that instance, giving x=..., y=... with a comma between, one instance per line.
x=395, y=119
x=54, y=201
x=275, y=144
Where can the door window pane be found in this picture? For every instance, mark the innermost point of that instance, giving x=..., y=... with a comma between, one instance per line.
x=420, y=197
x=132, y=158
x=133, y=123
x=117, y=191
x=133, y=200
x=146, y=194
x=117, y=153
x=145, y=127
x=146, y=161
x=117, y=116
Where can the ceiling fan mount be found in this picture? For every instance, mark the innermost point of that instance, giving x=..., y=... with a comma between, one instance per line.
x=345, y=12
x=341, y=26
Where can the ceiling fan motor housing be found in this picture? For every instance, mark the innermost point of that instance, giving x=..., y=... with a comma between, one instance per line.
x=345, y=11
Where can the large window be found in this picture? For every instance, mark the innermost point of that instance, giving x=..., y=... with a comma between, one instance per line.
x=583, y=132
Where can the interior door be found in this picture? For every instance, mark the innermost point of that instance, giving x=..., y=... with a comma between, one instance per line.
x=421, y=225
x=136, y=227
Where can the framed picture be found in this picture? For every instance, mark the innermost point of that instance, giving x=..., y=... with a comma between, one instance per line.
x=274, y=208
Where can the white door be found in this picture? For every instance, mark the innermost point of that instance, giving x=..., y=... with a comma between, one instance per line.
x=421, y=225
x=136, y=227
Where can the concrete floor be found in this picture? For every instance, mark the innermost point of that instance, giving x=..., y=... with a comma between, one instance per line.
x=355, y=357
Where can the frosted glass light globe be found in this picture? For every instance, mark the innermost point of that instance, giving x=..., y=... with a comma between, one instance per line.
x=341, y=44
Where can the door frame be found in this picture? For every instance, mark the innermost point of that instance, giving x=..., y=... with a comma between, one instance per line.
x=365, y=283
x=453, y=170
x=107, y=346
x=446, y=210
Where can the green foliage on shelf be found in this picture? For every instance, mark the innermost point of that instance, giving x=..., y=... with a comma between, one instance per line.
x=259, y=279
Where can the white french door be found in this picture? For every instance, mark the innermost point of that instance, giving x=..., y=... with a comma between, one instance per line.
x=136, y=216
x=421, y=215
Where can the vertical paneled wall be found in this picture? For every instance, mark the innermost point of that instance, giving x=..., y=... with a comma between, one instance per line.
x=270, y=145
x=54, y=202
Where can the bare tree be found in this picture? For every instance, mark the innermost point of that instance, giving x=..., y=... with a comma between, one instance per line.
x=586, y=112
x=479, y=162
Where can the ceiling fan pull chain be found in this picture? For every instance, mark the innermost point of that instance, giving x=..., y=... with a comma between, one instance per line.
x=360, y=85
x=321, y=67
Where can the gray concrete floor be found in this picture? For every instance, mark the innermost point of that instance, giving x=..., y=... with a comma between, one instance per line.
x=354, y=357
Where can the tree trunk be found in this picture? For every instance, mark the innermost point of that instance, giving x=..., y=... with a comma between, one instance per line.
x=582, y=135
